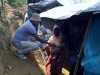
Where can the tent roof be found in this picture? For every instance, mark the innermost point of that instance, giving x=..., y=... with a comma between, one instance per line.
x=63, y=12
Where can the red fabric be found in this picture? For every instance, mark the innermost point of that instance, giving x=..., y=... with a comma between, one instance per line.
x=55, y=59
x=54, y=64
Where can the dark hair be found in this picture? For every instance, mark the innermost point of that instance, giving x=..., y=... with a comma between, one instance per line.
x=56, y=30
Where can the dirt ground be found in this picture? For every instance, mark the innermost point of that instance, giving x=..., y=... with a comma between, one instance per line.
x=11, y=65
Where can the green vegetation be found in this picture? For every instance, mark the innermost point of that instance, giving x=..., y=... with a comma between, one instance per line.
x=17, y=3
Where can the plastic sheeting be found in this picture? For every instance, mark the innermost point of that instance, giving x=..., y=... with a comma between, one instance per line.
x=65, y=2
x=66, y=11
x=68, y=2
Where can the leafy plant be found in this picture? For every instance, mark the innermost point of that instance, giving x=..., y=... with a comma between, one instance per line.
x=17, y=3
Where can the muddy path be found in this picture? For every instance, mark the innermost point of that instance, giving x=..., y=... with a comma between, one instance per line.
x=11, y=65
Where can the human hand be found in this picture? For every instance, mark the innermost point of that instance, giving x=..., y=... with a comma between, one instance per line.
x=52, y=45
x=45, y=47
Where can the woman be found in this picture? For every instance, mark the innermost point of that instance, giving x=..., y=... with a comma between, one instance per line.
x=55, y=53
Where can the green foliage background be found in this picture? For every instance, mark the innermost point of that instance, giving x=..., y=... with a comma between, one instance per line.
x=17, y=3
x=6, y=22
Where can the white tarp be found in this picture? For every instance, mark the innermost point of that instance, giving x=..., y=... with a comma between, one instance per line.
x=63, y=12
x=65, y=2
x=68, y=2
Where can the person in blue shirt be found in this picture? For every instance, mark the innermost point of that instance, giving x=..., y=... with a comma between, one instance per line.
x=91, y=58
x=25, y=35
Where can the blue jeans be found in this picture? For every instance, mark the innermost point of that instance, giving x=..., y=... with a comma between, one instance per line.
x=27, y=46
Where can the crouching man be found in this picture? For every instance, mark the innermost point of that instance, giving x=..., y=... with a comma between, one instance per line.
x=24, y=35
